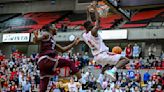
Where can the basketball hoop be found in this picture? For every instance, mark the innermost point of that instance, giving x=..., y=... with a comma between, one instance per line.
x=102, y=9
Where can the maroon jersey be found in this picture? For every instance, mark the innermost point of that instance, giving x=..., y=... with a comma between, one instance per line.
x=48, y=46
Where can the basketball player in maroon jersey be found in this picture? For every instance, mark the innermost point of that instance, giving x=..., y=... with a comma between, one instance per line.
x=47, y=62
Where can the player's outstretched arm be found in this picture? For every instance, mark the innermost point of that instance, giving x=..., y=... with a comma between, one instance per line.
x=97, y=23
x=66, y=48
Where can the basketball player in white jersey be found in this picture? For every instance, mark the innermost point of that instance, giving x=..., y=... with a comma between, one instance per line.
x=97, y=46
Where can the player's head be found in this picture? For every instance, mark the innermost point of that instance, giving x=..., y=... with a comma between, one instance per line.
x=72, y=79
x=51, y=28
x=88, y=25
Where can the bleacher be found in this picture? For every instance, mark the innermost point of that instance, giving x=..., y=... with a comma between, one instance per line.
x=137, y=21
x=31, y=21
x=143, y=18
x=5, y=17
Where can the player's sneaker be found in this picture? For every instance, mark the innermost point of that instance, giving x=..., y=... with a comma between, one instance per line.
x=111, y=74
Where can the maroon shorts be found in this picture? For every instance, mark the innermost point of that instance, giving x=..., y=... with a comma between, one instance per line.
x=46, y=66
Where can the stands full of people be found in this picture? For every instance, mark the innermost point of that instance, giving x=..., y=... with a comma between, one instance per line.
x=20, y=73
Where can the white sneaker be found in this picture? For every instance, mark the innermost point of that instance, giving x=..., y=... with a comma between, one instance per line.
x=111, y=74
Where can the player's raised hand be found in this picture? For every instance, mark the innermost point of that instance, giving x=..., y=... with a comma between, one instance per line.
x=92, y=6
x=36, y=33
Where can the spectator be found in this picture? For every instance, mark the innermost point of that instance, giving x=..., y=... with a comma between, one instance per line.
x=128, y=51
x=137, y=64
x=64, y=27
x=131, y=74
x=86, y=58
x=13, y=87
x=19, y=89
x=100, y=79
x=132, y=64
x=159, y=89
x=11, y=64
x=80, y=58
x=37, y=79
x=136, y=51
x=108, y=89
x=134, y=83
x=55, y=88
x=17, y=54
x=138, y=76
x=149, y=84
x=152, y=51
x=2, y=57
x=136, y=89
x=92, y=83
x=104, y=84
x=162, y=55
x=146, y=77
x=85, y=78
x=72, y=86
x=26, y=87
x=154, y=76
x=163, y=81
x=142, y=63
x=34, y=56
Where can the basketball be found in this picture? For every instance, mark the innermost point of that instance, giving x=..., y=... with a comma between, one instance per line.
x=117, y=50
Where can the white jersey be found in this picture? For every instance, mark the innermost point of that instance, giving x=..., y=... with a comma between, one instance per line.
x=96, y=44
x=72, y=87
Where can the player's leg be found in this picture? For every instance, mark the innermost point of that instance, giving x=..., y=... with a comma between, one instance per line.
x=46, y=70
x=43, y=84
x=120, y=62
x=65, y=62
x=104, y=68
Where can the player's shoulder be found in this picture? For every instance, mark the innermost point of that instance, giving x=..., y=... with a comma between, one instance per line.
x=84, y=34
x=45, y=33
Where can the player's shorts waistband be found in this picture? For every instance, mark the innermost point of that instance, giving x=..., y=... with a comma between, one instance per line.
x=43, y=57
x=109, y=53
x=100, y=53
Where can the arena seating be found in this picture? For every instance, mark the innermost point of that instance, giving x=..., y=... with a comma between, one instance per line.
x=5, y=17
x=75, y=20
x=137, y=20
x=149, y=16
x=32, y=21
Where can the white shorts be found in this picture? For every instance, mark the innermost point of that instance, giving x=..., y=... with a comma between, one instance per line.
x=107, y=58
x=135, y=55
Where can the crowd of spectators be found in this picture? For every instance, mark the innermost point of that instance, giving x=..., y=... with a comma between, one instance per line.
x=21, y=74
x=129, y=81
